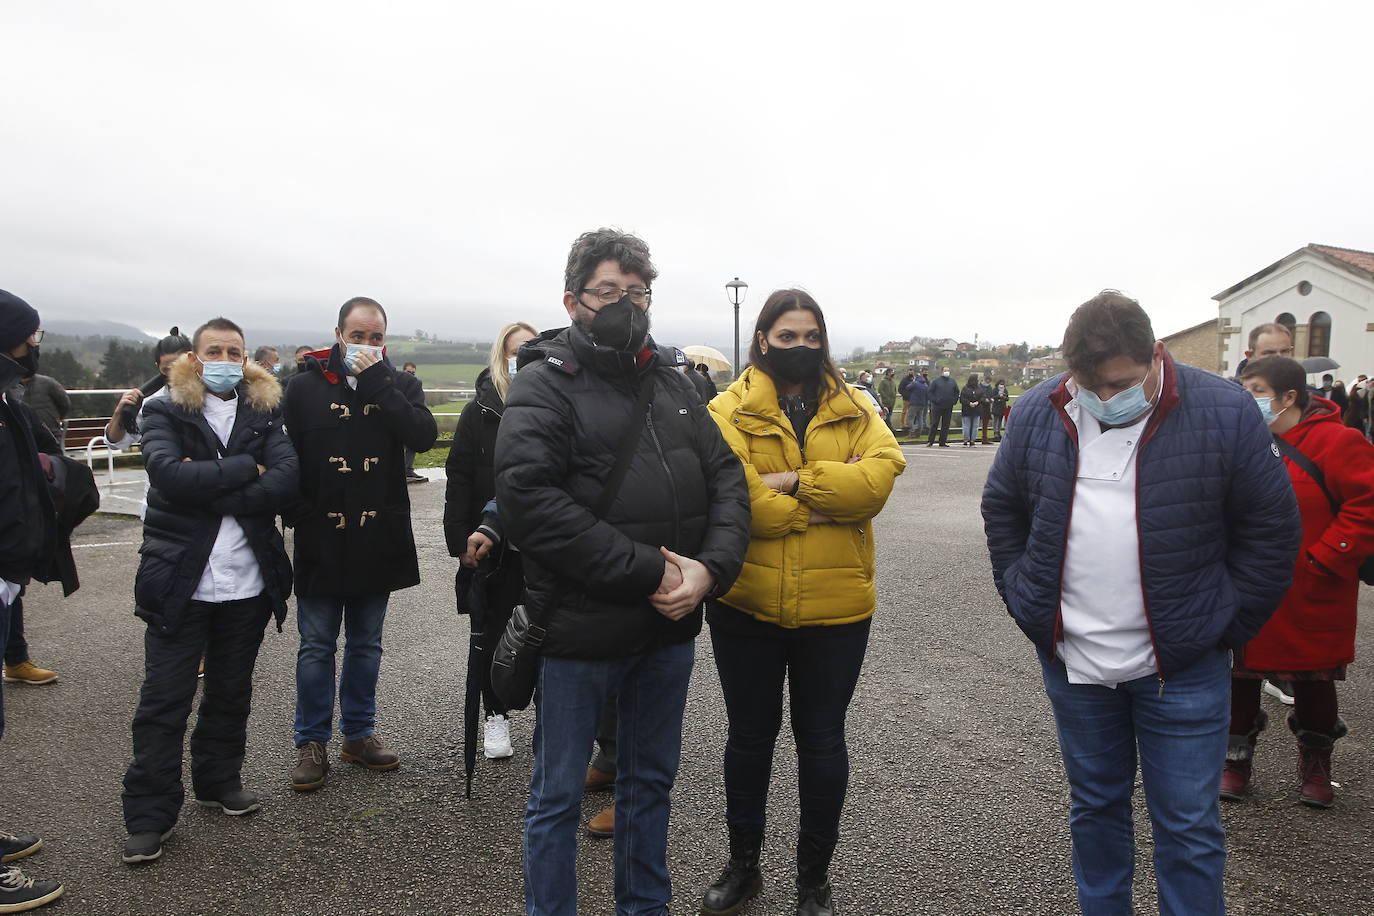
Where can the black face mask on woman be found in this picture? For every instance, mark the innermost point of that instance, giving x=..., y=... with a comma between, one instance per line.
x=622, y=325
x=795, y=364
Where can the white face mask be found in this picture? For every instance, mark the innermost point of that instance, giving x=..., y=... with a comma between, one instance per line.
x=945, y=374
x=511, y=364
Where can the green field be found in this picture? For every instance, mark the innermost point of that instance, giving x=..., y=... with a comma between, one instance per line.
x=443, y=375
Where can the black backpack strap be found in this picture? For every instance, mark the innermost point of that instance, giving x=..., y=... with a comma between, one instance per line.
x=629, y=438
x=1293, y=454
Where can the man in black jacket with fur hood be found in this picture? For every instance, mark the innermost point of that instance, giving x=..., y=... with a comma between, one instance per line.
x=624, y=590
x=212, y=572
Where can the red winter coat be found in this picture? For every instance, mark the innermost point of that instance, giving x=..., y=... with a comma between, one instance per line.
x=1314, y=628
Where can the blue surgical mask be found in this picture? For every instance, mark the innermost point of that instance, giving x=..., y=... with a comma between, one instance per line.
x=351, y=354
x=511, y=364
x=276, y=370
x=221, y=378
x=1264, y=405
x=1121, y=407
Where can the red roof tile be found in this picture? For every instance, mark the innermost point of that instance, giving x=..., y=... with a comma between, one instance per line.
x=1364, y=260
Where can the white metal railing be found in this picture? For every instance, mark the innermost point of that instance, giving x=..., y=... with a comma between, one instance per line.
x=109, y=457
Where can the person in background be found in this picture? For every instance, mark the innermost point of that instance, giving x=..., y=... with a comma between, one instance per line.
x=1311, y=637
x=490, y=581
x=887, y=396
x=1338, y=396
x=1179, y=546
x=1001, y=397
x=123, y=430
x=28, y=540
x=297, y=364
x=971, y=408
x=700, y=377
x=1356, y=415
x=1267, y=340
x=800, y=612
x=350, y=414
x=411, y=476
x=944, y=394
x=904, y=392
x=212, y=572
x=624, y=589
x=1328, y=383
x=920, y=404
x=984, y=409
x=268, y=358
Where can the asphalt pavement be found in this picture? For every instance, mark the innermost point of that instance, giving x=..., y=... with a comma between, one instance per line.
x=957, y=801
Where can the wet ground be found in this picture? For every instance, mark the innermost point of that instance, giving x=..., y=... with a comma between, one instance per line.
x=957, y=802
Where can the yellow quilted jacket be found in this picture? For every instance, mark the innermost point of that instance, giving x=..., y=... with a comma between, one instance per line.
x=797, y=574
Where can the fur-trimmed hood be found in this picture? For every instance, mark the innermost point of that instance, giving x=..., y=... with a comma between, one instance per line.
x=187, y=391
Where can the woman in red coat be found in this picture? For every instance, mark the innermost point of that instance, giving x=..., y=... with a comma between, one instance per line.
x=1311, y=637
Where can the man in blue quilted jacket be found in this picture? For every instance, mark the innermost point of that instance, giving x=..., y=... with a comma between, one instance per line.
x=1141, y=525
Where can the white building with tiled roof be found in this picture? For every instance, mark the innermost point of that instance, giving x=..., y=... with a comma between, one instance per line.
x=1323, y=293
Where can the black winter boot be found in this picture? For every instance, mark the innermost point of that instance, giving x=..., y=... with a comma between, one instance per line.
x=741, y=880
x=813, y=875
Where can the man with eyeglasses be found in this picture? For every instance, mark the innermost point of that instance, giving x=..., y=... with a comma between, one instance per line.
x=623, y=589
x=28, y=541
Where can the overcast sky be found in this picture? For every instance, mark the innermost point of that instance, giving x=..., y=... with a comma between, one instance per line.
x=921, y=168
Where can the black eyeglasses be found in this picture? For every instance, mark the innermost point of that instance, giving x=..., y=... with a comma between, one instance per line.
x=608, y=294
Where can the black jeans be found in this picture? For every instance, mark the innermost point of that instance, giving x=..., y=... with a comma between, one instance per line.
x=821, y=670
x=229, y=635
x=16, y=647
x=940, y=418
x=4, y=635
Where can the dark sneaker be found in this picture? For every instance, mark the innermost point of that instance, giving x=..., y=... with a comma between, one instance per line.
x=311, y=767
x=16, y=847
x=232, y=803
x=19, y=894
x=369, y=752
x=145, y=847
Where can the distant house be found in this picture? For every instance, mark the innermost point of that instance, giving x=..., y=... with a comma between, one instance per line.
x=924, y=361
x=966, y=348
x=896, y=346
x=1324, y=294
x=987, y=363
x=1037, y=372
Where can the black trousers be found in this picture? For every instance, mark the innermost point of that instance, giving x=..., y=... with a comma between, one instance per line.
x=939, y=423
x=821, y=670
x=229, y=635
x=16, y=647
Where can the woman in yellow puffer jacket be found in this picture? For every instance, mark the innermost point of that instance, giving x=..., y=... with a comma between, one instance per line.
x=820, y=464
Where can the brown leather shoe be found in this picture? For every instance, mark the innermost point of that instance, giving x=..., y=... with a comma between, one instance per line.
x=603, y=825
x=370, y=752
x=599, y=781
x=311, y=767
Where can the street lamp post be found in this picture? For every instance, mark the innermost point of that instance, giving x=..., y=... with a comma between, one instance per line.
x=736, y=290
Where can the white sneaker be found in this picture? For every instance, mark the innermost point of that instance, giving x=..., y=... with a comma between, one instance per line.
x=496, y=738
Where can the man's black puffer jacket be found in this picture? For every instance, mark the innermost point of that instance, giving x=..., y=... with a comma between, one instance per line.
x=566, y=412
x=187, y=499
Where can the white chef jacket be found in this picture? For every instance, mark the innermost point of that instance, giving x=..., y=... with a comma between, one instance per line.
x=232, y=571
x=1106, y=637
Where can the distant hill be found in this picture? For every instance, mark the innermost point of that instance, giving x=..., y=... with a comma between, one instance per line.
x=94, y=327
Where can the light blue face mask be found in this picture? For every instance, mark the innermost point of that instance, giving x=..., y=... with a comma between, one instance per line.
x=1264, y=404
x=276, y=370
x=511, y=366
x=221, y=378
x=1120, y=408
x=351, y=354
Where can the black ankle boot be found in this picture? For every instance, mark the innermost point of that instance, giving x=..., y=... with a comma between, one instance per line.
x=813, y=881
x=740, y=881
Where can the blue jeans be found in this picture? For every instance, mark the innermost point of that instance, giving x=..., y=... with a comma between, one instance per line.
x=1180, y=739
x=652, y=691
x=318, y=620
x=970, y=427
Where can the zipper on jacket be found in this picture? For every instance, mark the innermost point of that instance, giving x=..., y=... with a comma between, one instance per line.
x=672, y=483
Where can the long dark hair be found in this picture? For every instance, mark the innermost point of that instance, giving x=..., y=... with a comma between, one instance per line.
x=174, y=342
x=791, y=300
x=972, y=381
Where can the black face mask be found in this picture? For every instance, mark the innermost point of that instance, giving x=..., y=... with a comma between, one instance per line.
x=795, y=364
x=28, y=362
x=620, y=326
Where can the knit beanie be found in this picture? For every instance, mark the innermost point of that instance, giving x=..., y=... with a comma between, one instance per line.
x=18, y=320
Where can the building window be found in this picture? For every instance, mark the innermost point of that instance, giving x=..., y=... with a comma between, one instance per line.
x=1304, y=288
x=1319, y=334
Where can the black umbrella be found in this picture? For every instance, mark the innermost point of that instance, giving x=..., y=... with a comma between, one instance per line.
x=477, y=657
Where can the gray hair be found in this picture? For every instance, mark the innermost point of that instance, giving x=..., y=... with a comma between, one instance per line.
x=591, y=248
x=1270, y=328
x=263, y=352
